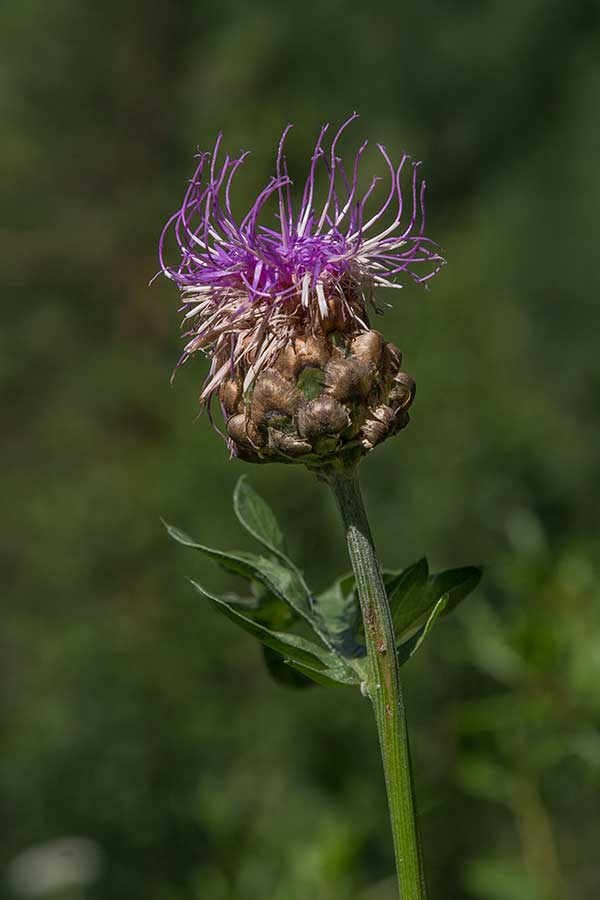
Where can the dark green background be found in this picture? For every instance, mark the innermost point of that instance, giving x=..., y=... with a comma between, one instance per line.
x=131, y=713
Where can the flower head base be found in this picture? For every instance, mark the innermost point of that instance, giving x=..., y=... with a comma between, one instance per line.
x=322, y=399
x=249, y=291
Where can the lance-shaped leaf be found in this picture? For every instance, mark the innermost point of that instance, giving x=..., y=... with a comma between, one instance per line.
x=442, y=593
x=434, y=615
x=284, y=582
x=405, y=649
x=282, y=672
x=408, y=598
x=257, y=517
x=264, y=607
x=339, y=609
x=332, y=677
x=409, y=647
x=455, y=583
x=290, y=646
x=312, y=661
x=239, y=563
x=413, y=594
x=298, y=675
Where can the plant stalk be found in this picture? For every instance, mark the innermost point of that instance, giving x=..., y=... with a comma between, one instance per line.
x=383, y=681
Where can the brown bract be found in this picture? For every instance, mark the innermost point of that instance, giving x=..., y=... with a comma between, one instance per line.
x=324, y=396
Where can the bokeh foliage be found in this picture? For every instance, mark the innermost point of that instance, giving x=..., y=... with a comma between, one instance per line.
x=131, y=713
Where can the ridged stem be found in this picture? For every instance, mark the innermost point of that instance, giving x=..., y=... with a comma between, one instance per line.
x=383, y=682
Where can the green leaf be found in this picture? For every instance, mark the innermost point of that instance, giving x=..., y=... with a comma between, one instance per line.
x=443, y=593
x=406, y=648
x=436, y=612
x=257, y=517
x=264, y=607
x=284, y=581
x=333, y=677
x=239, y=563
x=309, y=659
x=274, y=614
x=409, y=647
x=415, y=597
x=290, y=646
x=286, y=584
x=456, y=583
x=340, y=612
x=408, y=598
x=282, y=672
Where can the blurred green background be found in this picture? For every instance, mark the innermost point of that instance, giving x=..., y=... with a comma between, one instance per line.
x=134, y=717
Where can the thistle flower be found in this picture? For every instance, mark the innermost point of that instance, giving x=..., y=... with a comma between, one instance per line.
x=282, y=313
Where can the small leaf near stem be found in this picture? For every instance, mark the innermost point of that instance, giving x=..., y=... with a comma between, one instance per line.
x=284, y=581
x=257, y=517
x=289, y=645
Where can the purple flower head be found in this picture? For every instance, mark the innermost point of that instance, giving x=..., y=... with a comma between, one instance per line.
x=248, y=288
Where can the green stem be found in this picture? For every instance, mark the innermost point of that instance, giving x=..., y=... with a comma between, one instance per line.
x=383, y=681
